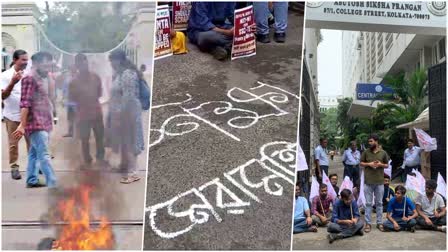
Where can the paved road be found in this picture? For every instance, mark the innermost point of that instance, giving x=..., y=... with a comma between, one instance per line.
x=21, y=206
x=375, y=240
x=193, y=147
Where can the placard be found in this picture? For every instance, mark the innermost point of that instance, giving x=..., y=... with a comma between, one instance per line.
x=181, y=13
x=244, y=44
x=163, y=30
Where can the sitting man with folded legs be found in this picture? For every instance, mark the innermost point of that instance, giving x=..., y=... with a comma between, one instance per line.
x=399, y=211
x=302, y=215
x=320, y=206
x=431, y=208
x=345, y=221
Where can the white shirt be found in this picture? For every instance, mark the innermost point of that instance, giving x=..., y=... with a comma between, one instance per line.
x=351, y=157
x=11, y=110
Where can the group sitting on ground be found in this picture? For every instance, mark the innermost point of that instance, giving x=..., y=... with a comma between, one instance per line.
x=342, y=217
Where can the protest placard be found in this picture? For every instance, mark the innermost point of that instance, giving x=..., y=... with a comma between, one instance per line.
x=163, y=30
x=244, y=44
x=181, y=12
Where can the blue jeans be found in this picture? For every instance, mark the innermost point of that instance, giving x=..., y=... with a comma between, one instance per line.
x=261, y=12
x=39, y=154
x=378, y=191
x=403, y=224
x=345, y=230
x=300, y=226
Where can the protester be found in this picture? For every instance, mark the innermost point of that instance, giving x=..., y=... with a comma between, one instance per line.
x=345, y=220
x=210, y=27
x=388, y=193
x=11, y=93
x=36, y=120
x=124, y=121
x=399, y=211
x=85, y=91
x=320, y=207
x=431, y=208
x=262, y=14
x=321, y=158
x=374, y=159
x=302, y=215
x=411, y=158
x=351, y=159
x=334, y=182
x=70, y=106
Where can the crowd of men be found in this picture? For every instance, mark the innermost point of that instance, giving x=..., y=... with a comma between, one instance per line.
x=28, y=101
x=211, y=25
x=342, y=215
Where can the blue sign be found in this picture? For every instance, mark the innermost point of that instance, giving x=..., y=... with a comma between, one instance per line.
x=370, y=91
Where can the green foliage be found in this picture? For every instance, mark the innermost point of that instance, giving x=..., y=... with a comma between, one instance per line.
x=85, y=26
x=408, y=101
x=328, y=126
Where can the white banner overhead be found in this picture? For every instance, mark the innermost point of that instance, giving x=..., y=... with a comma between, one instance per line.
x=427, y=18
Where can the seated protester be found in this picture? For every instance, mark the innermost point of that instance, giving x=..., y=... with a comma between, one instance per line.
x=399, y=211
x=210, y=27
x=334, y=181
x=302, y=215
x=345, y=220
x=320, y=206
x=388, y=192
x=431, y=208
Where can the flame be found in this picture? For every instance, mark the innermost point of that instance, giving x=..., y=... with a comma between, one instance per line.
x=78, y=234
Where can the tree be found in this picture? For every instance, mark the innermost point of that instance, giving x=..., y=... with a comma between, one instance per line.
x=405, y=105
x=328, y=126
x=85, y=26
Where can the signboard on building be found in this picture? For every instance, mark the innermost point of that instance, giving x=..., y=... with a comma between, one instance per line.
x=181, y=12
x=244, y=44
x=369, y=91
x=163, y=31
x=396, y=17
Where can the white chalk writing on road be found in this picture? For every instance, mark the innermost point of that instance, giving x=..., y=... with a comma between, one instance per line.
x=277, y=158
x=190, y=119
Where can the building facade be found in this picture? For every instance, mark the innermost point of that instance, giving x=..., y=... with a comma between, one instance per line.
x=327, y=102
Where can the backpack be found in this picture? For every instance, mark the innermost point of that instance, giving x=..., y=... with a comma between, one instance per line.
x=144, y=94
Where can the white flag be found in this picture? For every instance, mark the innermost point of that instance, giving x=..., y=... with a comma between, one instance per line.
x=361, y=197
x=421, y=179
x=301, y=160
x=331, y=191
x=388, y=170
x=346, y=184
x=314, y=188
x=441, y=185
x=425, y=141
x=412, y=183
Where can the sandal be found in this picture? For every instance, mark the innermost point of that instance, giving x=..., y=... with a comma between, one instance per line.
x=368, y=228
x=312, y=229
x=380, y=227
x=130, y=179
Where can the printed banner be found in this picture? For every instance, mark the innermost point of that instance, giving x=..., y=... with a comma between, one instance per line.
x=314, y=188
x=331, y=191
x=301, y=159
x=163, y=30
x=181, y=12
x=441, y=185
x=244, y=44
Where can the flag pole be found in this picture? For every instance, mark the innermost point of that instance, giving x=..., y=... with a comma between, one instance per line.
x=404, y=209
x=351, y=210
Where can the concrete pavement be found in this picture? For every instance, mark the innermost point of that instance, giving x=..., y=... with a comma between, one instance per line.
x=208, y=119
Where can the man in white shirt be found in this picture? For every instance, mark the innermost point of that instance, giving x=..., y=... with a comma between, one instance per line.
x=321, y=158
x=11, y=91
x=411, y=158
x=351, y=160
